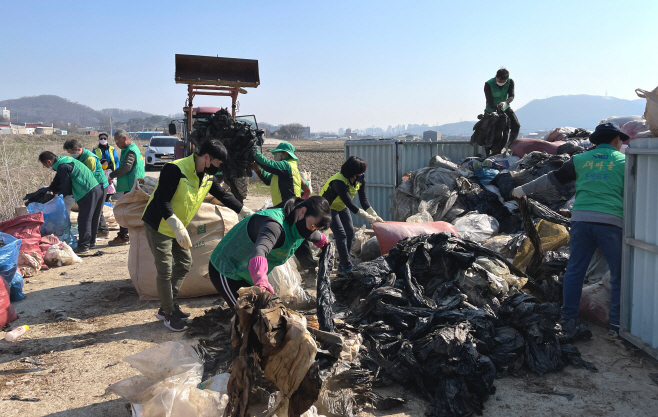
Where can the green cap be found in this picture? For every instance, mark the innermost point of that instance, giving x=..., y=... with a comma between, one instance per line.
x=286, y=147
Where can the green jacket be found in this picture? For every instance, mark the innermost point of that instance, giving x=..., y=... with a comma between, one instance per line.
x=499, y=94
x=282, y=176
x=125, y=183
x=82, y=179
x=92, y=162
x=600, y=180
x=232, y=255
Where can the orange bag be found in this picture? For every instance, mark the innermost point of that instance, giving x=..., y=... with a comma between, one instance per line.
x=390, y=233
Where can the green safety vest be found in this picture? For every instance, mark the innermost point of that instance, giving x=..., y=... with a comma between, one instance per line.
x=92, y=162
x=600, y=180
x=110, y=152
x=231, y=256
x=338, y=204
x=188, y=196
x=275, y=191
x=125, y=183
x=82, y=179
x=499, y=94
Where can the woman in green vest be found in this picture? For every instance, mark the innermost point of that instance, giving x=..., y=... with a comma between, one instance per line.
x=339, y=190
x=264, y=240
x=74, y=178
x=499, y=93
x=597, y=217
x=131, y=167
x=91, y=161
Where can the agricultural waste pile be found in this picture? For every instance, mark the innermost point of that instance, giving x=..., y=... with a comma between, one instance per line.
x=436, y=314
x=238, y=137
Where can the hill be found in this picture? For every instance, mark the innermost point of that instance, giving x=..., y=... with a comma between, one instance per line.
x=51, y=108
x=576, y=111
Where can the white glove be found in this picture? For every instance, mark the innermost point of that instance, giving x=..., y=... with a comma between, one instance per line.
x=365, y=216
x=182, y=237
x=502, y=105
x=371, y=211
x=518, y=192
x=245, y=212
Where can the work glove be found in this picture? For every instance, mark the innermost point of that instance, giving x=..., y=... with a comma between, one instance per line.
x=371, y=211
x=258, y=272
x=365, y=216
x=322, y=242
x=182, y=237
x=245, y=212
x=518, y=192
x=502, y=105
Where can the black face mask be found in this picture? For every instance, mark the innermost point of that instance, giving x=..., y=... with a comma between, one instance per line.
x=211, y=170
x=302, y=229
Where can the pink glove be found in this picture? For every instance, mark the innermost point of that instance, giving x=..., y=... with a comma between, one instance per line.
x=258, y=271
x=323, y=241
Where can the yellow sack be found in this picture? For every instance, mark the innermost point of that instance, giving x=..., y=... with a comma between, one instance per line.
x=553, y=236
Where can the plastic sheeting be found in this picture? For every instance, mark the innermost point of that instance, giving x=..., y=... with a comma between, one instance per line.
x=477, y=227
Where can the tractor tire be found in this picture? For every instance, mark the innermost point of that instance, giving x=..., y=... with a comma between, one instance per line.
x=239, y=187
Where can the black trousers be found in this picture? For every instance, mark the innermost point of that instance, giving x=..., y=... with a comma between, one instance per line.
x=226, y=287
x=343, y=230
x=89, y=212
x=102, y=226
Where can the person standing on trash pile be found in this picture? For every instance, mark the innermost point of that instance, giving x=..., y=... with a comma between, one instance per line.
x=91, y=161
x=131, y=167
x=596, y=217
x=74, y=178
x=499, y=93
x=282, y=175
x=263, y=241
x=339, y=190
x=181, y=188
x=106, y=151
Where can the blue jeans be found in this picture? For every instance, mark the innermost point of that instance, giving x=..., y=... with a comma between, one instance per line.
x=584, y=239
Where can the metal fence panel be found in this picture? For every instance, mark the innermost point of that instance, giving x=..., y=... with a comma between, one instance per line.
x=381, y=176
x=413, y=155
x=639, y=298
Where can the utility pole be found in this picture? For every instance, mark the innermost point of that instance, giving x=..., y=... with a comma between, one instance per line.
x=111, y=132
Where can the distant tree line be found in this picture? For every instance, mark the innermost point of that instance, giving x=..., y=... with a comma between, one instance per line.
x=289, y=131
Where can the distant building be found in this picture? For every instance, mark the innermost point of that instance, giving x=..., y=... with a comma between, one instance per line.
x=341, y=131
x=307, y=132
x=431, y=135
x=6, y=113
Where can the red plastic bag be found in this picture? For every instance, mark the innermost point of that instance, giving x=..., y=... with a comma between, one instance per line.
x=523, y=146
x=7, y=313
x=27, y=228
x=390, y=233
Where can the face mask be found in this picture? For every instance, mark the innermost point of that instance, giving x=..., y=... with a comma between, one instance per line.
x=302, y=229
x=103, y=142
x=105, y=166
x=211, y=170
x=501, y=84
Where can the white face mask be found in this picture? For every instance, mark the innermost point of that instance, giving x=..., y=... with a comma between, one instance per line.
x=103, y=142
x=501, y=84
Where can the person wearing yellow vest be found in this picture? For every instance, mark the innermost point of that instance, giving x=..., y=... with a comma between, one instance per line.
x=91, y=161
x=131, y=167
x=106, y=151
x=74, y=178
x=597, y=217
x=181, y=188
x=339, y=190
x=282, y=175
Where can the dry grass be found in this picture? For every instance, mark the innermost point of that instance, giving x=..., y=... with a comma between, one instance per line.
x=20, y=170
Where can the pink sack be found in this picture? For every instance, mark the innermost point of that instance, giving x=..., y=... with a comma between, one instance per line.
x=390, y=233
x=7, y=313
x=635, y=128
x=523, y=146
x=27, y=228
x=595, y=303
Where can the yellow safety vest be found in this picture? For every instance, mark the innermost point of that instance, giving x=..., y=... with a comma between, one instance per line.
x=189, y=195
x=275, y=191
x=338, y=204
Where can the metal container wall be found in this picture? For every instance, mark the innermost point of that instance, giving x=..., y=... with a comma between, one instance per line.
x=413, y=155
x=639, y=296
x=381, y=176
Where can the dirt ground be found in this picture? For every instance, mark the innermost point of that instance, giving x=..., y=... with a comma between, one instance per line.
x=68, y=365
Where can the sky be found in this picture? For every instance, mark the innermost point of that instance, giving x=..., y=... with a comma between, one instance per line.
x=330, y=64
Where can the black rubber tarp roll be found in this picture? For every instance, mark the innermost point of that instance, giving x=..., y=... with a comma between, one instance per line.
x=325, y=297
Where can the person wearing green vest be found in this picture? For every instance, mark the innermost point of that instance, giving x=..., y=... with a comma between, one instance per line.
x=499, y=93
x=181, y=188
x=131, y=167
x=106, y=151
x=282, y=175
x=339, y=190
x=264, y=240
x=597, y=216
x=74, y=178
x=91, y=161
